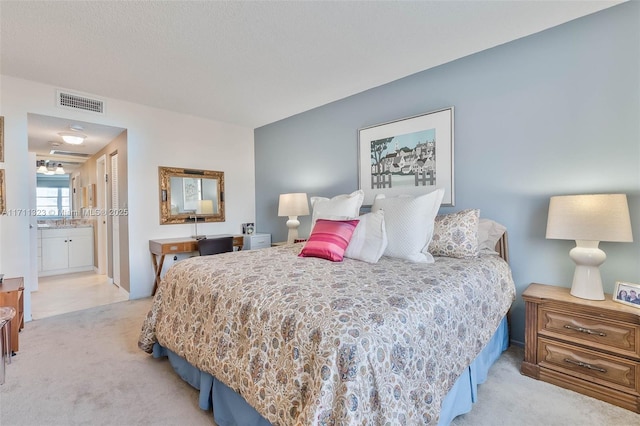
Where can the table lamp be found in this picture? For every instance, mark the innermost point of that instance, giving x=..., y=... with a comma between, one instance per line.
x=293, y=205
x=589, y=219
x=205, y=207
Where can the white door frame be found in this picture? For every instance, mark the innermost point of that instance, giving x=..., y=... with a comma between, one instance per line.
x=102, y=243
x=115, y=218
x=34, y=253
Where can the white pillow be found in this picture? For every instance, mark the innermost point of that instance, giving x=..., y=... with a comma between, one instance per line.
x=489, y=232
x=345, y=206
x=409, y=224
x=369, y=238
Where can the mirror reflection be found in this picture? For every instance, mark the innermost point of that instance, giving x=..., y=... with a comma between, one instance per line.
x=187, y=195
x=194, y=195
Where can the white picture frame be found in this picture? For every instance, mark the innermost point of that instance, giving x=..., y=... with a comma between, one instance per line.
x=409, y=156
x=627, y=293
x=191, y=193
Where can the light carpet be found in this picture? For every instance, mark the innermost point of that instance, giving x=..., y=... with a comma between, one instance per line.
x=84, y=368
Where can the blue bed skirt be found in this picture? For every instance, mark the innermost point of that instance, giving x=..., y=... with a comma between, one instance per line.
x=230, y=409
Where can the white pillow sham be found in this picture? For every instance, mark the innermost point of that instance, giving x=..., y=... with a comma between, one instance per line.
x=409, y=224
x=489, y=232
x=345, y=206
x=369, y=240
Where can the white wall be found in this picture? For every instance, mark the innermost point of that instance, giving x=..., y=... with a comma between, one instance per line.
x=155, y=138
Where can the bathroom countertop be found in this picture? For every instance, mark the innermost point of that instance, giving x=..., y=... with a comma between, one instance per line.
x=61, y=226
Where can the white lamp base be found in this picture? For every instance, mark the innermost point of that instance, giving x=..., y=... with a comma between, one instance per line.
x=587, y=283
x=292, y=224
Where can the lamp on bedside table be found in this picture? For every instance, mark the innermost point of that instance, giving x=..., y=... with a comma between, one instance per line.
x=293, y=205
x=589, y=219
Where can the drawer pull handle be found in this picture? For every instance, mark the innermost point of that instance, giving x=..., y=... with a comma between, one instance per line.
x=585, y=365
x=585, y=330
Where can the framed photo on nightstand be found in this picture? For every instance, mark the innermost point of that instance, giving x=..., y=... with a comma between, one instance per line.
x=627, y=293
x=248, y=228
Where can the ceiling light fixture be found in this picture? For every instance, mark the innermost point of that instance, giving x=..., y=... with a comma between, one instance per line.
x=74, y=135
x=59, y=169
x=72, y=138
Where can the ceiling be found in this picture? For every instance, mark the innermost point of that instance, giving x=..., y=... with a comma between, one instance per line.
x=253, y=63
x=43, y=138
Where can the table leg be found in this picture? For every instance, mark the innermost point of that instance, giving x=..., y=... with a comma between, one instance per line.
x=157, y=268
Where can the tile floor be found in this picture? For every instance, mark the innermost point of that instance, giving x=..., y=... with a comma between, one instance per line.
x=60, y=294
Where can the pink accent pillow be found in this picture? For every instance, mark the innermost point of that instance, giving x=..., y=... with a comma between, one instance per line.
x=329, y=239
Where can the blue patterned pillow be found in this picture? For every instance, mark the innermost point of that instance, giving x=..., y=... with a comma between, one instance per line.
x=456, y=234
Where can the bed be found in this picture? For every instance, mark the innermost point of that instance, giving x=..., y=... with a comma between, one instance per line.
x=270, y=337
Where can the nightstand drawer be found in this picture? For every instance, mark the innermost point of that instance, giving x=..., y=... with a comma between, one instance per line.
x=611, y=371
x=612, y=336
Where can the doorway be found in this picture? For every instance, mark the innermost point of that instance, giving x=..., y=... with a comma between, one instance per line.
x=88, y=165
x=61, y=294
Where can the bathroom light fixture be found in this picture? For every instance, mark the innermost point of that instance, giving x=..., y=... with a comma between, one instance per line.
x=42, y=169
x=589, y=219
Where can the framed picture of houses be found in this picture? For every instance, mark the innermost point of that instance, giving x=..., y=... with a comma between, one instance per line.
x=409, y=156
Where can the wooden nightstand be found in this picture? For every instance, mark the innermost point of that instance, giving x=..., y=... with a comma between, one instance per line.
x=12, y=294
x=256, y=241
x=591, y=347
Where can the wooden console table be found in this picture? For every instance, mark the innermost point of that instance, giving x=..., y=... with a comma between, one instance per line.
x=162, y=247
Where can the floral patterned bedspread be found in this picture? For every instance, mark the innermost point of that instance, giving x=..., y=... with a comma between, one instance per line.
x=310, y=342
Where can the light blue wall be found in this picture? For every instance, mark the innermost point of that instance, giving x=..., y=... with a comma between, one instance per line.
x=554, y=113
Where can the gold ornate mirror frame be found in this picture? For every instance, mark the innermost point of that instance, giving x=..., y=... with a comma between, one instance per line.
x=1, y=139
x=187, y=195
x=3, y=206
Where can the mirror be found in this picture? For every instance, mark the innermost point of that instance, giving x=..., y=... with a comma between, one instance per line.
x=187, y=195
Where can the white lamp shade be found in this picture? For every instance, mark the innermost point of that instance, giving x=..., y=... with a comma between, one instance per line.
x=589, y=219
x=295, y=204
x=593, y=217
x=205, y=207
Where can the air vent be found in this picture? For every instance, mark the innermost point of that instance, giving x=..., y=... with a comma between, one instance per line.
x=69, y=153
x=73, y=101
